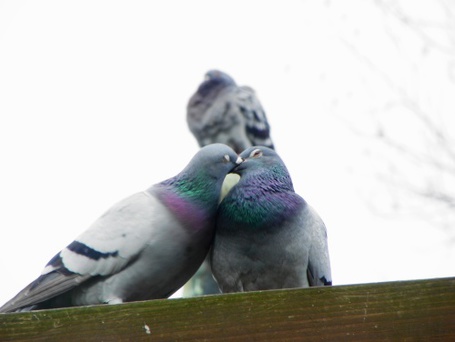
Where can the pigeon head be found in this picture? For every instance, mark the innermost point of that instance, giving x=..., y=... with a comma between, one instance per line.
x=262, y=165
x=218, y=76
x=214, y=161
x=201, y=179
x=214, y=81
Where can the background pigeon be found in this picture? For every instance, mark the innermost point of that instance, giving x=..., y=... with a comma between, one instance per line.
x=145, y=246
x=267, y=236
x=222, y=112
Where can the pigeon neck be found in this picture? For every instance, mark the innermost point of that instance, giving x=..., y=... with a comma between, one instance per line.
x=190, y=214
x=190, y=200
x=261, y=203
x=196, y=189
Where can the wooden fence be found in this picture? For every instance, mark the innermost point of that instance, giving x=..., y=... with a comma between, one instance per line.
x=421, y=310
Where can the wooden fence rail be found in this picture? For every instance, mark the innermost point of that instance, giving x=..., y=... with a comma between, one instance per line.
x=404, y=310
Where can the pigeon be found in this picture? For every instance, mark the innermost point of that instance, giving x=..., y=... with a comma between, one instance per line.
x=222, y=112
x=144, y=247
x=267, y=236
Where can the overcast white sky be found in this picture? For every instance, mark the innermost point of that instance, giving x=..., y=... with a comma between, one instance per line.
x=93, y=101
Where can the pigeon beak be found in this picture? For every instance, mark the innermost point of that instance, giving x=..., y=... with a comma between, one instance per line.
x=239, y=163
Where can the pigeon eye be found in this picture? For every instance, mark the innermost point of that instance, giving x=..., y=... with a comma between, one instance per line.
x=226, y=158
x=256, y=153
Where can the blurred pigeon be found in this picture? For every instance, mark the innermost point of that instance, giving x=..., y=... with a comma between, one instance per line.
x=222, y=112
x=267, y=236
x=144, y=247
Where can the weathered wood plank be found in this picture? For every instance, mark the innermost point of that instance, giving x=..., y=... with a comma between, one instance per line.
x=423, y=309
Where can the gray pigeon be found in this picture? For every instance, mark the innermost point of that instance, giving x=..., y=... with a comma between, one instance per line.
x=222, y=112
x=267, y=236
x=144, y=247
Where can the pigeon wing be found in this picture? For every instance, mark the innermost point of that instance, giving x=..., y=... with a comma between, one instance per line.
x=319, y=272
x=257, y=127
x=108, y=246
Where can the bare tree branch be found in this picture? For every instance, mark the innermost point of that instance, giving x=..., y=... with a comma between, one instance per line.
x=418, y=26
x=433, y=159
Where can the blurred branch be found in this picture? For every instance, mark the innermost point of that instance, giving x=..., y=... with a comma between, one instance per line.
x=433, y=162
x=436, y=131
x=419, y=26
